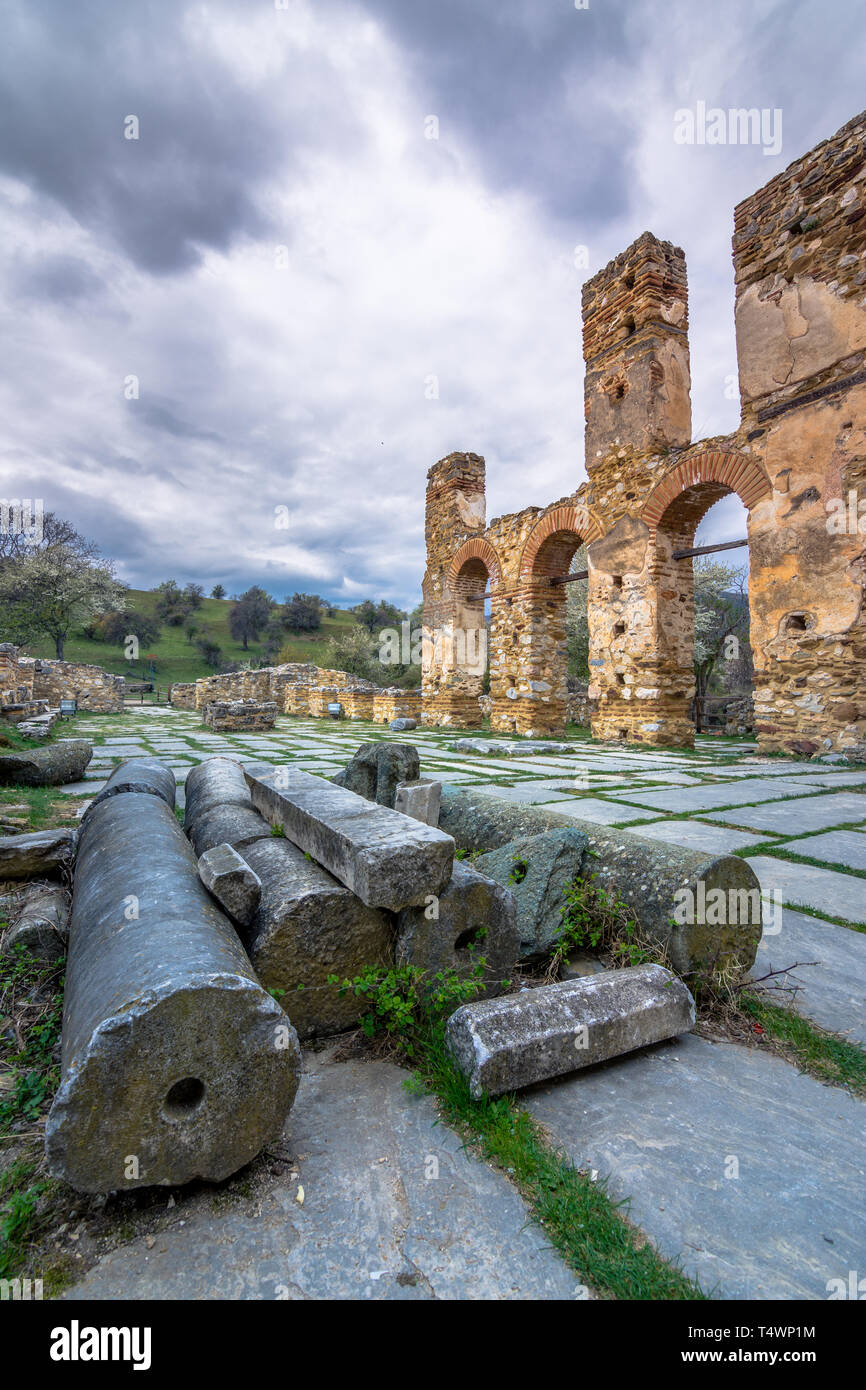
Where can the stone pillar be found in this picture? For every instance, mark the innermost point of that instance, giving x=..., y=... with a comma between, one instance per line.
x=459, y=565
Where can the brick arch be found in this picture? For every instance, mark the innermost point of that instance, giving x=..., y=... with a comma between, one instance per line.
x=738, y=472
x=478, y=548
x=569, y=517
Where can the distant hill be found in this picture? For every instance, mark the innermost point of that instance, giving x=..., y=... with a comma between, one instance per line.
x=176, y=659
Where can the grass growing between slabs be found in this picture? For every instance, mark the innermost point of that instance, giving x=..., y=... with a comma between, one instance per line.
x=588, y=1228
x=821, y=1054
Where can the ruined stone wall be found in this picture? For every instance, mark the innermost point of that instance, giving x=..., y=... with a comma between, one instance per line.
x=236, y=716
x=800, y=266
x=397, y=704
x=797, y=461
x=94, y=689
x=183, y=695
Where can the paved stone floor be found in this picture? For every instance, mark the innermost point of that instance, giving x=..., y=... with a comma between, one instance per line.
x=658, y=1125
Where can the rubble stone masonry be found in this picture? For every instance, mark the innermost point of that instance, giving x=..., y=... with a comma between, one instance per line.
x=797, y=461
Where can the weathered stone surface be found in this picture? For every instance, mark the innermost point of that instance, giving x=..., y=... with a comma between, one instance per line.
x=215, y=782
x=42, y=926
x=237, y=826
x=176, y=1063
x=658, y=881
x=229, y=878
x=234, y=716
x=506, y=1044
x=377, y=768
x=536, y=868
x=374, y=1227
x=63, y=761
x=386, y=859
x=147, y=775
x=37, y=854
x=663, y=1127
x=402, y=726
x=307, y=927
x=473, y=917
x=419, y=799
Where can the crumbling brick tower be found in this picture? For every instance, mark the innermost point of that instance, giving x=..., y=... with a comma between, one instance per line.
x=638, y=411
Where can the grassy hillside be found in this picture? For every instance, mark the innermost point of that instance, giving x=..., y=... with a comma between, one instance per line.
x=176, y=659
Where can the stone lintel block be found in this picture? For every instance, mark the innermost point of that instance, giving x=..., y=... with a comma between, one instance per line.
x=228, y=878
x=385, y=858
x=505, y=1044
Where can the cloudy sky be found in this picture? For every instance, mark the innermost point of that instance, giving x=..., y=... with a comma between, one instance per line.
x=296, y=289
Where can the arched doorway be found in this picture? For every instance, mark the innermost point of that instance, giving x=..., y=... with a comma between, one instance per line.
x=529, y=666
x=675, y=512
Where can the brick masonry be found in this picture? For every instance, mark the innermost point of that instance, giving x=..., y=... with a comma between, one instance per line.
x=797, y=461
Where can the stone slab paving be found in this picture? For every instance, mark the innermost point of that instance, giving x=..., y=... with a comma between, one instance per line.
x=375, y=1223
x=706, y=798
x=833, y=990
x=664, y=1125
x=695, y=834
x=846, y=847
x=797, y=817
x=806, y=885
x=602, y=812
x=530, y=793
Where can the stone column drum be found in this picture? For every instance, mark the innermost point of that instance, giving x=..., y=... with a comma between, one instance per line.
x=176, y=1064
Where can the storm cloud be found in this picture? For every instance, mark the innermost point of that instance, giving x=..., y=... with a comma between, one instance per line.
x=266, y=262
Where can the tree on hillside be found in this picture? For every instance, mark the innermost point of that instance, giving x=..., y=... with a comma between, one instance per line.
x=354, y=651
x=170, y=606
x=217, y=591
x=250, y=615
x=193, y=595
x=375, y=616
x=48, y=591
x=22, y=532
x=210, y=651
x=303, y=613
x=116, y=627
x=191, y=627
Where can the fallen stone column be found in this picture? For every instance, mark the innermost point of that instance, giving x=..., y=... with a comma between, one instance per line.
x=215, y=782
x=63, y=761
x=306, y=928
x=505, y=1044
x=237, y=826
x=147, y=775
x=385, y=858
x=704, y=909
x=538, y=869
x=176, y=1064
x=472, y=918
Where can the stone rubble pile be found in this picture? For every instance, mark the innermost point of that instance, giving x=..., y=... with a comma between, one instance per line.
x=200, y=957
